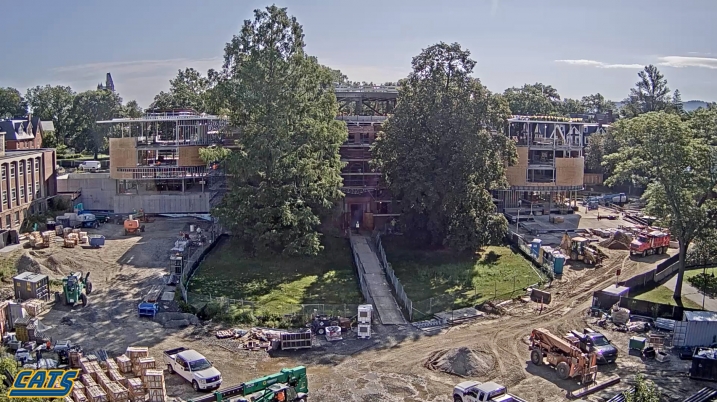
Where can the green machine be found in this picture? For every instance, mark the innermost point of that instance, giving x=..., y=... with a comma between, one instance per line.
x=288, y=385
x=75, y=288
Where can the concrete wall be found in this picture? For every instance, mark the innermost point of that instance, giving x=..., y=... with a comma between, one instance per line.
x=98, y=189
x=162, y=204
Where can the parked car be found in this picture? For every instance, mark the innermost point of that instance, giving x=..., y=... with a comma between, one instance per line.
x=90, y=166
x=193, y=367
x=592, y=341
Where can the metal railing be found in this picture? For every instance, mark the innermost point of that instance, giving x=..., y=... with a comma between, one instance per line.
x=378, y=88
x=401, y=295
x=164, y=172
x=361, y=271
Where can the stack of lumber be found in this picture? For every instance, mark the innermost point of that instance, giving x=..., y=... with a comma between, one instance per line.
x=34, y=307
x=78, y=392
x=87, y=380
x=136, y=390
x=35, y=239
x=116, y=376
x=124, y=364
x=66, y=232
x=75, y=357
x=69, y=242
x=95, y=394
x=48, y=236
x=143, y=364
x=154, y=382
x=59, y=230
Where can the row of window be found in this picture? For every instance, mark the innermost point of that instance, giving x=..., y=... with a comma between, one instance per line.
x=21, y=168
x=30, y=193
x=8, y=221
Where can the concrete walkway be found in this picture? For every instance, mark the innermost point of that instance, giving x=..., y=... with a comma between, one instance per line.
x=690, y=292
x=388, y=311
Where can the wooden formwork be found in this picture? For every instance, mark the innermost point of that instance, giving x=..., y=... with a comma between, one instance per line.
x=124, y=364
x=95, y=394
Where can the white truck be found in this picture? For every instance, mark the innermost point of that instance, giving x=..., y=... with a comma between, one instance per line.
x=474, y=391
x=193, y=367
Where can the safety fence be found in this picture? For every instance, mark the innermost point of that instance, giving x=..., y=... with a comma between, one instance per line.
x=404, y=301
x=523, y=247
x=232, y=308
x=425, y=309
x=197, y=255
x=360, y=271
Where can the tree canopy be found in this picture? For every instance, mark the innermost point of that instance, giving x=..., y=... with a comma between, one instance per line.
x=287, y=172
x=11, y=103
x=533, y=100
x=650, y=94
x=189, y=89
x=678, y=165
x=53, y=103
x=87, y=108
x=437, y=156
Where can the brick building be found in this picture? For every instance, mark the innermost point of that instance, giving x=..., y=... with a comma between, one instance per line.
x=25, y=133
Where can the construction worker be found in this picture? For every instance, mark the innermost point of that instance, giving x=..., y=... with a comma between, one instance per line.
x=280, y=396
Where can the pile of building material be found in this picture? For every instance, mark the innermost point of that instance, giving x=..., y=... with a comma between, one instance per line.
x=34, y=307
x=619, y=315
x=154, y=382
x=41, y=240
x=618, y=241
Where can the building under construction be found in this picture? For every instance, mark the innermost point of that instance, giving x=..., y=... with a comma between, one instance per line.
x=155, y=165
x=364, y=109
x=550, y=165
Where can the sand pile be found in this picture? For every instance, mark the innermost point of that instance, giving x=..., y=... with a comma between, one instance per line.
x=462, y=362
x=28, y=264
x=38, y=263
x=618, y=241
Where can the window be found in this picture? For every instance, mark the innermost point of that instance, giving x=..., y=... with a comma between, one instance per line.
x=17, y=217
x=4, y=172
x=7, y=221
x=13, y=197
x=37, y=165
x=22, y=194
x=21, y=168
x=37, y=189
x=4, y=197
x=12, y=170
x=29, y=191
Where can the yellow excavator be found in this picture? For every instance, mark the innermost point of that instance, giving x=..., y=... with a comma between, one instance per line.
x=579, y=249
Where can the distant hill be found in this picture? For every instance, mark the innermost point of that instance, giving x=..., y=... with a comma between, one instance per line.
x=688, y=105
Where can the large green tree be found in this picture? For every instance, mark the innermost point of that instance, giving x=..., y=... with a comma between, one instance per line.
x=12, y=103
x=644, y=391
x=650, y=94
x=533, y=100
x=53, y=103
x=597, y=103
x=678, y=165
x=87, y=108
x=287, y=173
x=438, y=157
x=189, y=89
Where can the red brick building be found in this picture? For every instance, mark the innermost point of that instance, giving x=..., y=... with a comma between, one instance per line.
x=24, y=133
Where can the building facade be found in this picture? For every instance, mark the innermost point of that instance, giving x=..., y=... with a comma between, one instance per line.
x=25, y=133
x=550, y=165
x=27, y=180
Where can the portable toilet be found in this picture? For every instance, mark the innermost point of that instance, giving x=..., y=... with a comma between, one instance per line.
x=558, y=263
x=535, y=248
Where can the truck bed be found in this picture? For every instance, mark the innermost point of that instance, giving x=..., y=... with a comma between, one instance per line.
x=173, y=352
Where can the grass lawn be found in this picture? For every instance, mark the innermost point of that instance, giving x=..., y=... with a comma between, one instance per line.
x=694, y=272
x=663, y=295
x=274, y=282
x=452, y=279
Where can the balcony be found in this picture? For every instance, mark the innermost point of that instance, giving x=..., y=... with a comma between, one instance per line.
x=164, y=172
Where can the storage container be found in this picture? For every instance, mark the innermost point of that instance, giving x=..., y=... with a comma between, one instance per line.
x=116, y=392
x=364, y=313
x=363, y=331
x=95, y=394
x=637, y=343
x=29, y=285
x=157, y=395
x=124, y=364
x=78, y=395
x=153, y=379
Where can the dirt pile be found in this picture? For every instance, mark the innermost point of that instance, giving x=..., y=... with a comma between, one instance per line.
x=462, y=362
x=618, y=241
x=28, y=264
x=40, y=263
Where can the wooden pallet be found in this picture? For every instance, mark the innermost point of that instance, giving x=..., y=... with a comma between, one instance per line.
x=154, y=295
x=225, y=334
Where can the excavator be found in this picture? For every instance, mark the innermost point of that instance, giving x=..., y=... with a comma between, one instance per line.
x=579, y=249
x=288, y=385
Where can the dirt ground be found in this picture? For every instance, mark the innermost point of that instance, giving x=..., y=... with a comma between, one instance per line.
x=392, y=366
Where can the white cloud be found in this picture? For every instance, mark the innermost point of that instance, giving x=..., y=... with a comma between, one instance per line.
x=597, y=64
x=684, y=61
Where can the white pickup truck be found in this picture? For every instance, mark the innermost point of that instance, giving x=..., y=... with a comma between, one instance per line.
x=193, y=367
x=474, y=391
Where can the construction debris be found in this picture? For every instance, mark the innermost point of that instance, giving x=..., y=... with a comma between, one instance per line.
x=255, y=339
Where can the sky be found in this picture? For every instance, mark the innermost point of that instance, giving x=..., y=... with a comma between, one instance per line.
x=579, y=47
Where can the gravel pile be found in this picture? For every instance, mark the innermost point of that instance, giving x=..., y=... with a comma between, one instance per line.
x=462, y=362
x=618, y=241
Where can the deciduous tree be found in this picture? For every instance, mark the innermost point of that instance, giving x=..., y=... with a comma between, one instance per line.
x=287, y=173
x=12, y=103
x=679, y=168
x=187, y=90
x=571, y=106
x=533, y=100
x=87, y=108
x=438, y=157
x=53, y=103
x=645, y=391
x=597, y=103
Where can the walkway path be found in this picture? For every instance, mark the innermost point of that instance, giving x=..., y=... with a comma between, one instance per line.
x=692, y=293
x=388, y=311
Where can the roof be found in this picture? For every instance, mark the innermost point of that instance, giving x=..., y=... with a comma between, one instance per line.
x=15, y=153
x=30, y=277
x=190, y=355
x=700, y=316
x=579, y=239
x=47, y=125
x=616, y=290
x=15, y=130
x=489, y=387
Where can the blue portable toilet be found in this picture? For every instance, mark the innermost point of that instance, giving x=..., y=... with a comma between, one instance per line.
x=558, y=263
x=535, y=247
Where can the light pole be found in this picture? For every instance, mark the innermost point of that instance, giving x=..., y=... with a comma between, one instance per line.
x=517, y=221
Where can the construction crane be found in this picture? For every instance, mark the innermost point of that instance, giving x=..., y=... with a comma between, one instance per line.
x=564, y=354
x=288, y=385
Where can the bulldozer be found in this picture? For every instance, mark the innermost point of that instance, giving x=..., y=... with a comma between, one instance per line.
x=75, y=288
x=579, y=249
x=132, y=226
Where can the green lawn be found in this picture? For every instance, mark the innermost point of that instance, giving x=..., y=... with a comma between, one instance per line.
x=277, y=282
x=663, y=295
x=694, y=272
x=436, y=280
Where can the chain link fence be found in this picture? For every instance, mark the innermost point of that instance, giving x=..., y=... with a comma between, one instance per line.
x=403, y=300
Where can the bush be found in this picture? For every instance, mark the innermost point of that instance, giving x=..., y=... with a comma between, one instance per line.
x=706, y=283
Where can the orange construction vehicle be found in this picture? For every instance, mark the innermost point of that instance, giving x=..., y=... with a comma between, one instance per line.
x=564, y=354
x=132, y=226
x=649, y=243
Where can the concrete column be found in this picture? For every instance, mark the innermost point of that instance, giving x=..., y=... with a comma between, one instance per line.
x=182, y=185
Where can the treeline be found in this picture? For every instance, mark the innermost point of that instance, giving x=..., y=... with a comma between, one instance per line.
x=74, y=115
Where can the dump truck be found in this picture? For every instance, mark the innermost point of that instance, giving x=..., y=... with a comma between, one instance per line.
x=655, y=242
x=193, y=367
x=474, y=391
x=564, y=354
x=595, y=342
x=579, y=249
x=288, y=385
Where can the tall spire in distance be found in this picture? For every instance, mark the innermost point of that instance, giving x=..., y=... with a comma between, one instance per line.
x=109, y=84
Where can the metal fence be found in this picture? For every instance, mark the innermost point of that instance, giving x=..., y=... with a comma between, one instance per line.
x=360, y=271
x=401, y=295
x=197, y=255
